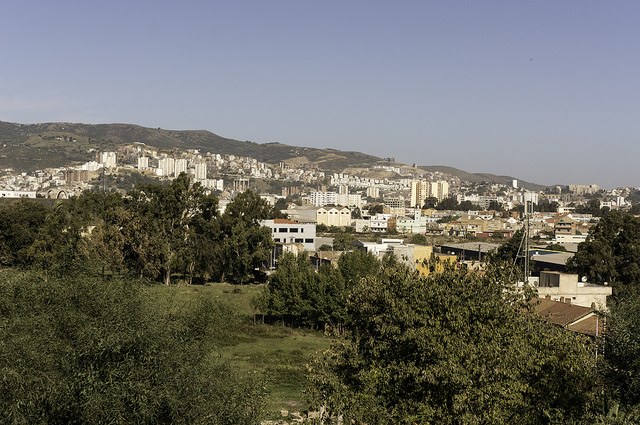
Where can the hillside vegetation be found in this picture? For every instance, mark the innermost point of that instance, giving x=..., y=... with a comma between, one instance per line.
x=30, y=147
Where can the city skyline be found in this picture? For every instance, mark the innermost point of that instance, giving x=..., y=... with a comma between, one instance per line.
x=543, y=92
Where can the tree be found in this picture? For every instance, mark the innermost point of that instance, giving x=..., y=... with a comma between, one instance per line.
x=621, y=369
x=447, y=204
x=454, y=347
x=245, y=244
x=466, y=206
x=512, y=248
x=164, y=214
x=343, y=241
x=85, y=350
x=375, y=209
x=495, y=206
x=20, y=222
x=419, y=239
x=356, y=214
x=430, y=202
x=611, y=253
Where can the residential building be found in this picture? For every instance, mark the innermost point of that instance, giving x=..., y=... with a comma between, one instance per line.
x=143, y=163
x=334, y=216
x=567, y=287
x=107, y=159
x=289, y=232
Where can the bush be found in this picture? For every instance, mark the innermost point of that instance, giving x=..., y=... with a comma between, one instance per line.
x=93, y=351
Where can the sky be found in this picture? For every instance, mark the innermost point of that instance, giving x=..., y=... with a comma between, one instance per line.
x=545, y=91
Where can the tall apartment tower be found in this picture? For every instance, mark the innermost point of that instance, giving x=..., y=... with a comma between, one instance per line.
x=201, y=171
x=423, y=189
x=419, y=192
x=180, y=167
x=166, y=166
x=143, y=162
x=108, y=159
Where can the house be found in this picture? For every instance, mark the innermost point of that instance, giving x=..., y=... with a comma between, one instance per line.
x=568, y=288
x=580, y=319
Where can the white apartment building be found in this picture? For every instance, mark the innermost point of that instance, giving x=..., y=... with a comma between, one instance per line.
x=200, y=171
x=166, y=167
x=320, y=199
x=290, y=232
x=180, y=166
x=143, y=163
x=108, y=159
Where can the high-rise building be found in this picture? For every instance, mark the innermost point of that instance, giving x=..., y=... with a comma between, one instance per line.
x=143, y=163
x=180, y=167
x=166, y=167
x=108, y=159
x=423, y=189
x=201, y=171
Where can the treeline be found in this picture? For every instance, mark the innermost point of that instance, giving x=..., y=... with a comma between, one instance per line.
x=154, y=231
x=455, y=347
x=296, y=295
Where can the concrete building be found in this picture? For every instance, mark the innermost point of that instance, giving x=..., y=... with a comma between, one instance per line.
x=333, y=216
x=108, y=159
x=423, y=189
x=568, y=288
x=143, y=163
x=180, y=166
x=166, y=167
x=289, y=232
x=200, y=171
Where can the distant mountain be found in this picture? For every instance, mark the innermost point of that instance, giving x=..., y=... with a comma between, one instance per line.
x=30, y=147
x=481, y=177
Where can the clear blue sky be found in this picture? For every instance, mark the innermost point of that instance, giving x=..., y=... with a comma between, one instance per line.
x=545, y=91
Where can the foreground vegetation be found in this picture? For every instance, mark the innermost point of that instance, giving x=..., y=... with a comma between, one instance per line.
x=89, y=333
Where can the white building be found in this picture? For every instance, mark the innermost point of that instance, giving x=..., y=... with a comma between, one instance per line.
x=166, y=167
x=143, y=163
x=180, y=166
x=290, y=232
x=108, y=159
x=201, y=171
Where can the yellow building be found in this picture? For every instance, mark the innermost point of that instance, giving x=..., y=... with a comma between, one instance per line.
x=333, y=216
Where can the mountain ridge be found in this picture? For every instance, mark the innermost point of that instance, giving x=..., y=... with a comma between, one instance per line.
x=36, y=146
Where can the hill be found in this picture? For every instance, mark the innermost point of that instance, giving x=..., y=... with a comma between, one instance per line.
x=481, y=177
x=30, y=147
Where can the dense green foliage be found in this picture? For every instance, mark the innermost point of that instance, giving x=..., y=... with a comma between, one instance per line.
x=94, y=351
x=453, y=348
x=621, y=368
x=299, y=296
x=155, y=231
x=611, y=253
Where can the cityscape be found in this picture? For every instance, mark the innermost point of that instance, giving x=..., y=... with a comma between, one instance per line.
x=319, y=213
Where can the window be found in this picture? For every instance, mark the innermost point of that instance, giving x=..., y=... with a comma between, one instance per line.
x=277, y=239
x=302, y=230
x=282, y=230
x=293, y=230
x=308, y=241
x=299, y=240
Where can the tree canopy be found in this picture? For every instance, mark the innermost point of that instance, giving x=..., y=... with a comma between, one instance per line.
x=87, y=350
x=451, y=348
x=611, y=253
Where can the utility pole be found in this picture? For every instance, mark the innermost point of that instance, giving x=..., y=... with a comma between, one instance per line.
x=528, y=207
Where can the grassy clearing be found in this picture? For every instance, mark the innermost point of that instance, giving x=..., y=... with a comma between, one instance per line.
x=280, y=353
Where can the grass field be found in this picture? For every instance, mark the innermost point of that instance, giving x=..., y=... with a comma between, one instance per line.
x=279, y=353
